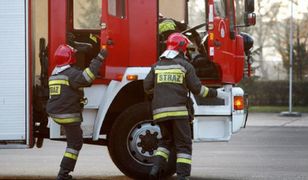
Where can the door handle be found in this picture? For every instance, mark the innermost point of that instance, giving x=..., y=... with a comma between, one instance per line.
x=110, y=42
x=217, y=43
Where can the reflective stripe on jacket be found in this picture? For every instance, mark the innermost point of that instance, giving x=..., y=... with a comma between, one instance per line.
x=170, y=80
x=65, y=92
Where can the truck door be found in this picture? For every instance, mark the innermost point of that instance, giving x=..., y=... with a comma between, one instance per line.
x=223, y=40
x=14, y=74
x=129, y=30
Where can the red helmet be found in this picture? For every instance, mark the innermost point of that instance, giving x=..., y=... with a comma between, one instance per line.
x=177, y=42
x=65, y=55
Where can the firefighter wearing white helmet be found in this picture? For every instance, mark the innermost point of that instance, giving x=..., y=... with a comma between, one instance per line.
x=170, y=80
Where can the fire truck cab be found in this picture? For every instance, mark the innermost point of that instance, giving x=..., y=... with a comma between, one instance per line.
x=118, y=114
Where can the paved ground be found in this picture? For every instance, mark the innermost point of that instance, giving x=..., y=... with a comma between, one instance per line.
x=271, y=147
x=274, y=119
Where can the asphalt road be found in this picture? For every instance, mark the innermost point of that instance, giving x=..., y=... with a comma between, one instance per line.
x=270, y=148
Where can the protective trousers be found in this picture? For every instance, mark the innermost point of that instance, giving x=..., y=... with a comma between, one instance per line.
x=74, y=144
x=175, y=133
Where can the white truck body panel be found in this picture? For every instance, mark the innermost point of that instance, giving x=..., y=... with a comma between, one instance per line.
x=113, y=89
x=95, y=98
x=212, y=122
x=217, y=123
x=99, y=98
x=14, y=74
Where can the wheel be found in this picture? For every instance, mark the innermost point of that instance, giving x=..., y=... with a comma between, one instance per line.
x=133, y=140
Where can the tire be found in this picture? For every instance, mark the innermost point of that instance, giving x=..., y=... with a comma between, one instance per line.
x=133, y=140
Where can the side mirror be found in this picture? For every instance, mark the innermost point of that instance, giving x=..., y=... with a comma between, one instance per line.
x=249, y=6
x=250, y=19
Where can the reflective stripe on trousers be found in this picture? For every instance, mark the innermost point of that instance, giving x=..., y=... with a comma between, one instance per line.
x=183, y=165
x=170, y=112
x=163, y=152
x=178, y=133
x=74, y=144
x=66, y=118
x=71, y=153
x=183, y=158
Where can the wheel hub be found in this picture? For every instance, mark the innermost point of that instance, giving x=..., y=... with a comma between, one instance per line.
x=143, y=141
x=148, y=142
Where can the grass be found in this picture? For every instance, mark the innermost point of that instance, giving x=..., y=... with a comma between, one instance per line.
x=278, y=109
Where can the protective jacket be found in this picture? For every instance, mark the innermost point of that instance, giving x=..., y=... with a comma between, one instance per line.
x=170, y=81
x=66, y=94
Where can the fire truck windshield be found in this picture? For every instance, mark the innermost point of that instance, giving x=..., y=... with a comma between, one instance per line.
x=87, y=14
x=220, y=8
x=196, y=12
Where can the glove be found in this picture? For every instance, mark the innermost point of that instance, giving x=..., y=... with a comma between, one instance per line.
x=221, y=94
x=102, y=54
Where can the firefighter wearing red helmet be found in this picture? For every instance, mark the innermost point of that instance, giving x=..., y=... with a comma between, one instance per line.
x=170, y=80
x=66, y=100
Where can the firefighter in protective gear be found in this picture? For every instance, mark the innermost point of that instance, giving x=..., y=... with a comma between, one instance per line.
x=166, y=27
x=170, y=80
x=66, y=98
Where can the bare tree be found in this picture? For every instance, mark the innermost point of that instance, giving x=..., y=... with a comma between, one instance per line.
x=239, y=11
x=301, y=48
x=300, y=44
x=263, y=31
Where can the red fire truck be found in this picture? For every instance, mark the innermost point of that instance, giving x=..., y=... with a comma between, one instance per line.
x=117, y=114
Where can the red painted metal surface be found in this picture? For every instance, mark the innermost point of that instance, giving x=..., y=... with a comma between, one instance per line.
x=228, y=50
x=131, y=39
x=142, y=32
x=116, y=36
x=57, y=13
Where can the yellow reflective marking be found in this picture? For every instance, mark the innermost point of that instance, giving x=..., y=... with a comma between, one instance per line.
x=166, y=25
x=93, y=38
x=176, y=71
x=66, y=120
x=170, y=76
x=70, y=155
x=183, y=160
x=206, y=91
x=55, y=90
x=160, y=153
x=168, y=114
x=62, y=82
x=89, y=73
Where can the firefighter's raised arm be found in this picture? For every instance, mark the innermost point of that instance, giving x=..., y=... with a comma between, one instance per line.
x=88, y=75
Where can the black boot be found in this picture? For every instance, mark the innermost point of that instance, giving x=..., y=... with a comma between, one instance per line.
x=158, y=169
x=182, y=178
x=155, y=173
x=64, y=175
